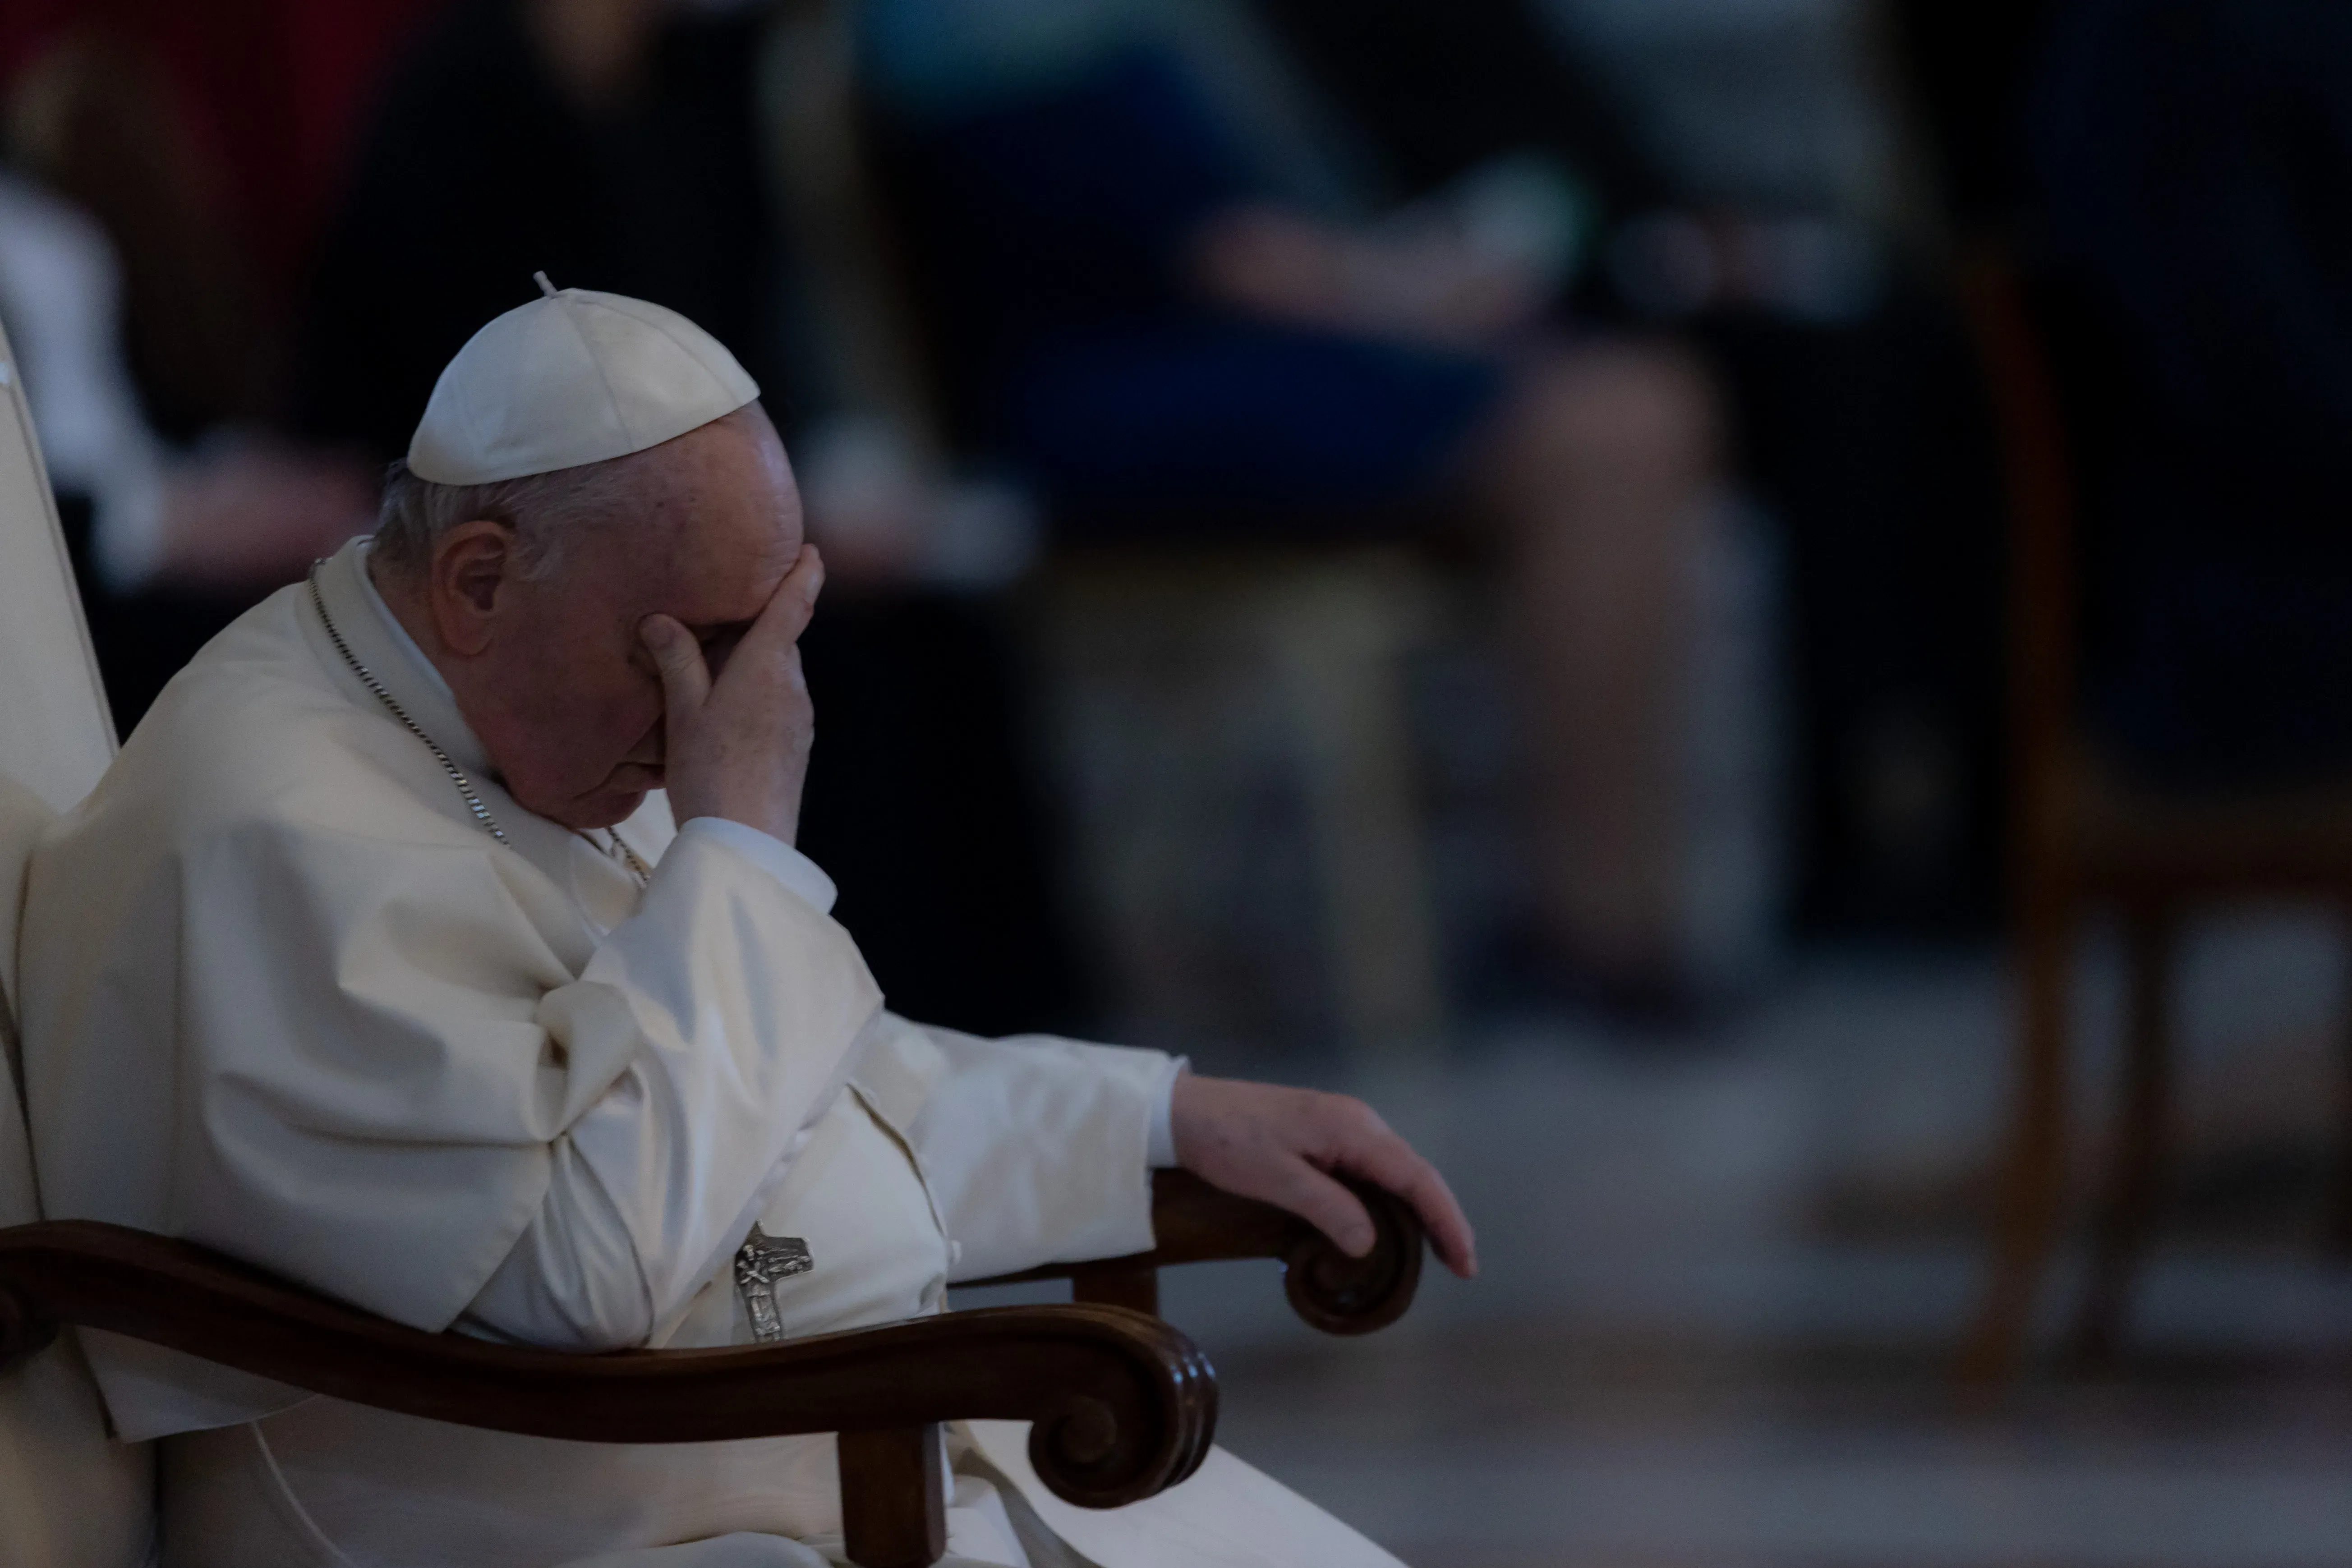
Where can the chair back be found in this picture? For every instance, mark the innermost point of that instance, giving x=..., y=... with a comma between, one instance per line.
x=2038, y=472
x=56, y=735
x=69, y=1496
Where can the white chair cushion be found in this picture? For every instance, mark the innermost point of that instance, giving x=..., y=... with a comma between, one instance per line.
x=22, y=817
x=54, y=735
x=69, y=1496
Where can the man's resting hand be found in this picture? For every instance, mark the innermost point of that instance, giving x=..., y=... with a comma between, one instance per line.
x=1280, y=1145
x=736, y=739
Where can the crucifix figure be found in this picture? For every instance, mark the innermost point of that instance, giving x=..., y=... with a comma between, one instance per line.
x=762, y=1261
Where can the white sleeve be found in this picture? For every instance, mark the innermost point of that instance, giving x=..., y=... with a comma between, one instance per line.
x=1038, y=1150
x=787, y=865
x=1160, y=1152
x=654, y=1185
x=572, y=1282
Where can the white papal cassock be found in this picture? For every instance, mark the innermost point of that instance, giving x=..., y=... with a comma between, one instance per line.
x=284, y=996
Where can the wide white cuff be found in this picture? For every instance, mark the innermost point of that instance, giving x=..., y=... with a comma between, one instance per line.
x=795, y=871
x=1160, y=1140
x=1033, y=1149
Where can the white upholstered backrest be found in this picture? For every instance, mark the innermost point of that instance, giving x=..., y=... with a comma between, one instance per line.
x=56, y=736
x=23, y=815
x=68, y=1497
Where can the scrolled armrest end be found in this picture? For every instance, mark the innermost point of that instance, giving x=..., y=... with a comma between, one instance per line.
x=1344, y=1295
x=1132, y=1436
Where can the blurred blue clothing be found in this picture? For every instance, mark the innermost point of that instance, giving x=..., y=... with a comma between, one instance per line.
x=1072, y=207
x=1302, y=430
x=934, y=59
x=2193, y=159
x=1059, y=207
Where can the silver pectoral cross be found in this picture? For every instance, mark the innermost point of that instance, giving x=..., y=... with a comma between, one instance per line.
x=763, y=1262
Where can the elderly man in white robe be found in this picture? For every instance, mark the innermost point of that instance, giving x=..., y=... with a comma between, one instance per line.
x=438, y=940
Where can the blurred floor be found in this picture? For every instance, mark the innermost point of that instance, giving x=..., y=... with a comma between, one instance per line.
x=1724, y=1272
x=1524, y=1453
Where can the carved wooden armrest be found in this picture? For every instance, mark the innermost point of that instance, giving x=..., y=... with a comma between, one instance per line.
x=1124, y=1404
x=1196, y=1223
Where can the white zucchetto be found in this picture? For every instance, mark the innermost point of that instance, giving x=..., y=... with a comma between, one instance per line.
x=574, y=377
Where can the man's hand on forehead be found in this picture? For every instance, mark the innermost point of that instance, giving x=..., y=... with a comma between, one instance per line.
x=738, y=724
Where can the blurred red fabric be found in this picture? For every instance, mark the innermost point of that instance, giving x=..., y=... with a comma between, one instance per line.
x=272, y=93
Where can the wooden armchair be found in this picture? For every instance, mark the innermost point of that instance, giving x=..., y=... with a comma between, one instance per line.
x=1124, y=1406
x=2083, y=832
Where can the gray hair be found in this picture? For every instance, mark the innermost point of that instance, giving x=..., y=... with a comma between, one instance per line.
x=548, y=513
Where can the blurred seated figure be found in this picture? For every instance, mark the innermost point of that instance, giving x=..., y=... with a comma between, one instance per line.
x=2193, y=164
x=171, y=543
x=1742, y=170
x=618, y=145
x=1159, y=310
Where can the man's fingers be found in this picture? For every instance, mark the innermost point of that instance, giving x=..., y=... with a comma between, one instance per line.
x=1329, y=1207
x=793, y=604
x=686, y=679
x=1287, y=1146
x=1390, y=1161
x=1449, y=1227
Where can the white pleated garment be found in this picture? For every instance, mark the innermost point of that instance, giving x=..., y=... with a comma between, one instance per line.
x=286, y=997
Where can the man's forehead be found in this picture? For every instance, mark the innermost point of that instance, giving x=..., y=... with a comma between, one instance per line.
x=721, y=587
x=710, y=523
x=716, y=562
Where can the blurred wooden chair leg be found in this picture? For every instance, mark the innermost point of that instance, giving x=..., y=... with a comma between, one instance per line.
x=2339, y=1203
x=2032, y=1190
x=2143, y=1119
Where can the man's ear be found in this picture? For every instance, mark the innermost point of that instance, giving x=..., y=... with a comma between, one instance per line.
x=473, y=565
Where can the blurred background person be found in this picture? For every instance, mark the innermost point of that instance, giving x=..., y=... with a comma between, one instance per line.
x=179, y=505
x=1795, y=225
x=1158, y=309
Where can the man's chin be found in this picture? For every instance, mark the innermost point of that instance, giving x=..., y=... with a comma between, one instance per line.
x=614, y=801
x=604, y=809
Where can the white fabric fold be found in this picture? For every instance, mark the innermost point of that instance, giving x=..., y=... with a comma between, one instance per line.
x=772, y=854
x=1228, y=1514
x=1069, y=1185
x=1074, y=1185
x=737, y=1045
x=364, y=558
x=287, y=998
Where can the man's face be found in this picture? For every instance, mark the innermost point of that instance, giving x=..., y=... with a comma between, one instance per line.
x=566, y=699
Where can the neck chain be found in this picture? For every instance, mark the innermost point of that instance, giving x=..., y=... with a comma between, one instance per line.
x=619, y=850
